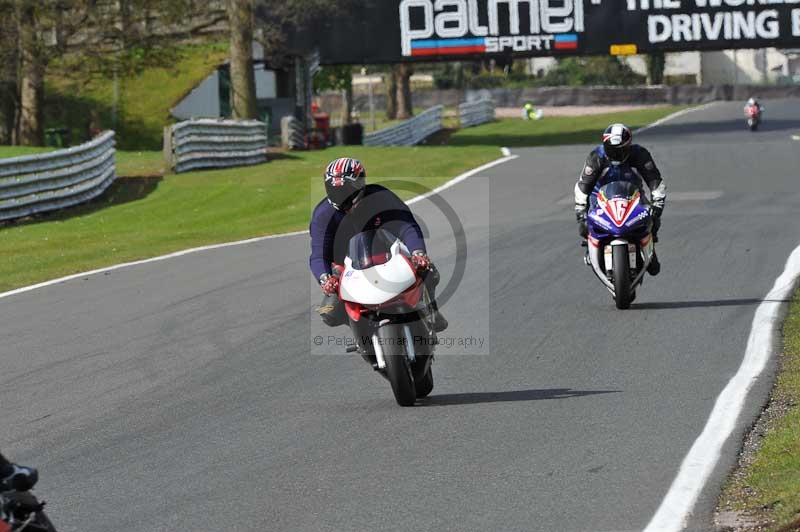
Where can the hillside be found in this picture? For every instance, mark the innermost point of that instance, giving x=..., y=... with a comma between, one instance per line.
x=144, y=98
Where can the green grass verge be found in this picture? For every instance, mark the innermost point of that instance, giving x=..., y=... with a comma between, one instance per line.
x=145, y=99
x=768, y=489
x=551, y=131
x=18, y=151
x=146, y=215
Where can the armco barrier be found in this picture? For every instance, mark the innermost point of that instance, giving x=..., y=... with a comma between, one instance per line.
x=34, y=184
x=292, y=133
x=409, y=132
x=209, y=143
x=475, y=113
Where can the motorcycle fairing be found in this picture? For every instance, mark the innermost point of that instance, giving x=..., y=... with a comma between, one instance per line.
x=378, y=284
x=618, y=211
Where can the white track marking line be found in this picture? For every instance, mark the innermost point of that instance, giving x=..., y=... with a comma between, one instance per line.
x=698, y=465
x=673, y=116
x=462, y=177
x=795, y=137
x=44, y=284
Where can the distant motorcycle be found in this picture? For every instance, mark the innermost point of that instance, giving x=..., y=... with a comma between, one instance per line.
x=620, y=243
x=21, y=511
x=753, y=114
x=390, y=313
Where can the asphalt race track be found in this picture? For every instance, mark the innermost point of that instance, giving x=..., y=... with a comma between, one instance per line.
x=183, y=395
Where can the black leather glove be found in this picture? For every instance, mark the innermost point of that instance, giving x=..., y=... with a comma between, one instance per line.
x=583, y=230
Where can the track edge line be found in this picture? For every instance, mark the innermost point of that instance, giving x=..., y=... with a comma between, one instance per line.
x=696, y=468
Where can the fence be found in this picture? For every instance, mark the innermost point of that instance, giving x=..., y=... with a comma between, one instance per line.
x=292, y=133
x=34, y=184
x=409, y=132
x=209, y=143
x=475, y=113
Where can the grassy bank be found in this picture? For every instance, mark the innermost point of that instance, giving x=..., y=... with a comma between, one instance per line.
x=145, y=215
x=767, y=489
x=552, y=131
x=145, y=98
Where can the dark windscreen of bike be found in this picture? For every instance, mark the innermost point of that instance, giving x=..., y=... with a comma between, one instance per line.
x=370, y=248
x=619, y=189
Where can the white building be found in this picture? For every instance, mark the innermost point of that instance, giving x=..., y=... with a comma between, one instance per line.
x=728, y=67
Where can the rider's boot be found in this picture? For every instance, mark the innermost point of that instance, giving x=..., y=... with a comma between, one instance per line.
x=439, y=321
x=654, y=268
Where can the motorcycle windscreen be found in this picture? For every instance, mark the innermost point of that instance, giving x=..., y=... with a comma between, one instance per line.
x=370, y=248
x=377, y=269
x=619, y=189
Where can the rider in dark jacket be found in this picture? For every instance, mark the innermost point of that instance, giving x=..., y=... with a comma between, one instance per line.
x=352, y=207
x=16, y=477
x=618, y=159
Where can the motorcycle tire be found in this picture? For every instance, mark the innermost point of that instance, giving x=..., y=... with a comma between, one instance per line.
x=398, y=368
x=622, y=277
x=424, y=386
x=44, y=523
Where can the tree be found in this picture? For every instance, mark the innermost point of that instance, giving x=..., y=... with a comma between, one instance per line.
x=656, y=63
x=243, y=81
x=337, y=78
x=598, y=70
x=391, y=93
x=8, y=74
x=405, y=106
x=32, y=61
x=87, y=38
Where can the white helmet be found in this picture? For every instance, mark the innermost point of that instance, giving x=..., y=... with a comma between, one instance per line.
x=751, y=101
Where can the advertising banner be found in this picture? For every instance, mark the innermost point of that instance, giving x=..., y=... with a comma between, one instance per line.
x=388, y=31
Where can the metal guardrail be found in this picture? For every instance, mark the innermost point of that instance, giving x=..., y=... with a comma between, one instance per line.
x=409, y=132
x=209, y=143
x=33, y=184
x=475, y=113
x=292, y=133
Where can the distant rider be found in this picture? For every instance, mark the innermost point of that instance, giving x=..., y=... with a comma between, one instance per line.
x=16, y=477
x=753, y=102
x=352, y=207
x=619, y=159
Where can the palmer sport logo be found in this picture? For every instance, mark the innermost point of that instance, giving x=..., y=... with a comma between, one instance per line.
x=459, y=27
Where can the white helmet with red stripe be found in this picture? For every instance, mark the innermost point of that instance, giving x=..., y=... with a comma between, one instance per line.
x=345, y=180
x=617, y=142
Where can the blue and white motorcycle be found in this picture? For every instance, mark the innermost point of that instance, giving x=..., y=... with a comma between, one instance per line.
x=620, y=242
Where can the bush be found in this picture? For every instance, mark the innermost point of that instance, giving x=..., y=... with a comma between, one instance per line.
x=571, y=71
x=601, y=70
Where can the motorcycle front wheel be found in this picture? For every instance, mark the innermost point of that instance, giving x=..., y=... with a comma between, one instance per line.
x=44, y=523
x=424, y=385
x=622, y=277
x=398, y=367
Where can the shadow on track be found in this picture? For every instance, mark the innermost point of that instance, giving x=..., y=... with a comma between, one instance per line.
x=705, y=304
x=507, y=397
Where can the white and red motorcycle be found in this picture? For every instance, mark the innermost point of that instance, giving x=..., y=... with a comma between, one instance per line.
x=389, y=311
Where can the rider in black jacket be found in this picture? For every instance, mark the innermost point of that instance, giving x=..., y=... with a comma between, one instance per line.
x=16, y=477
x=351, y=207
x=618, y=159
